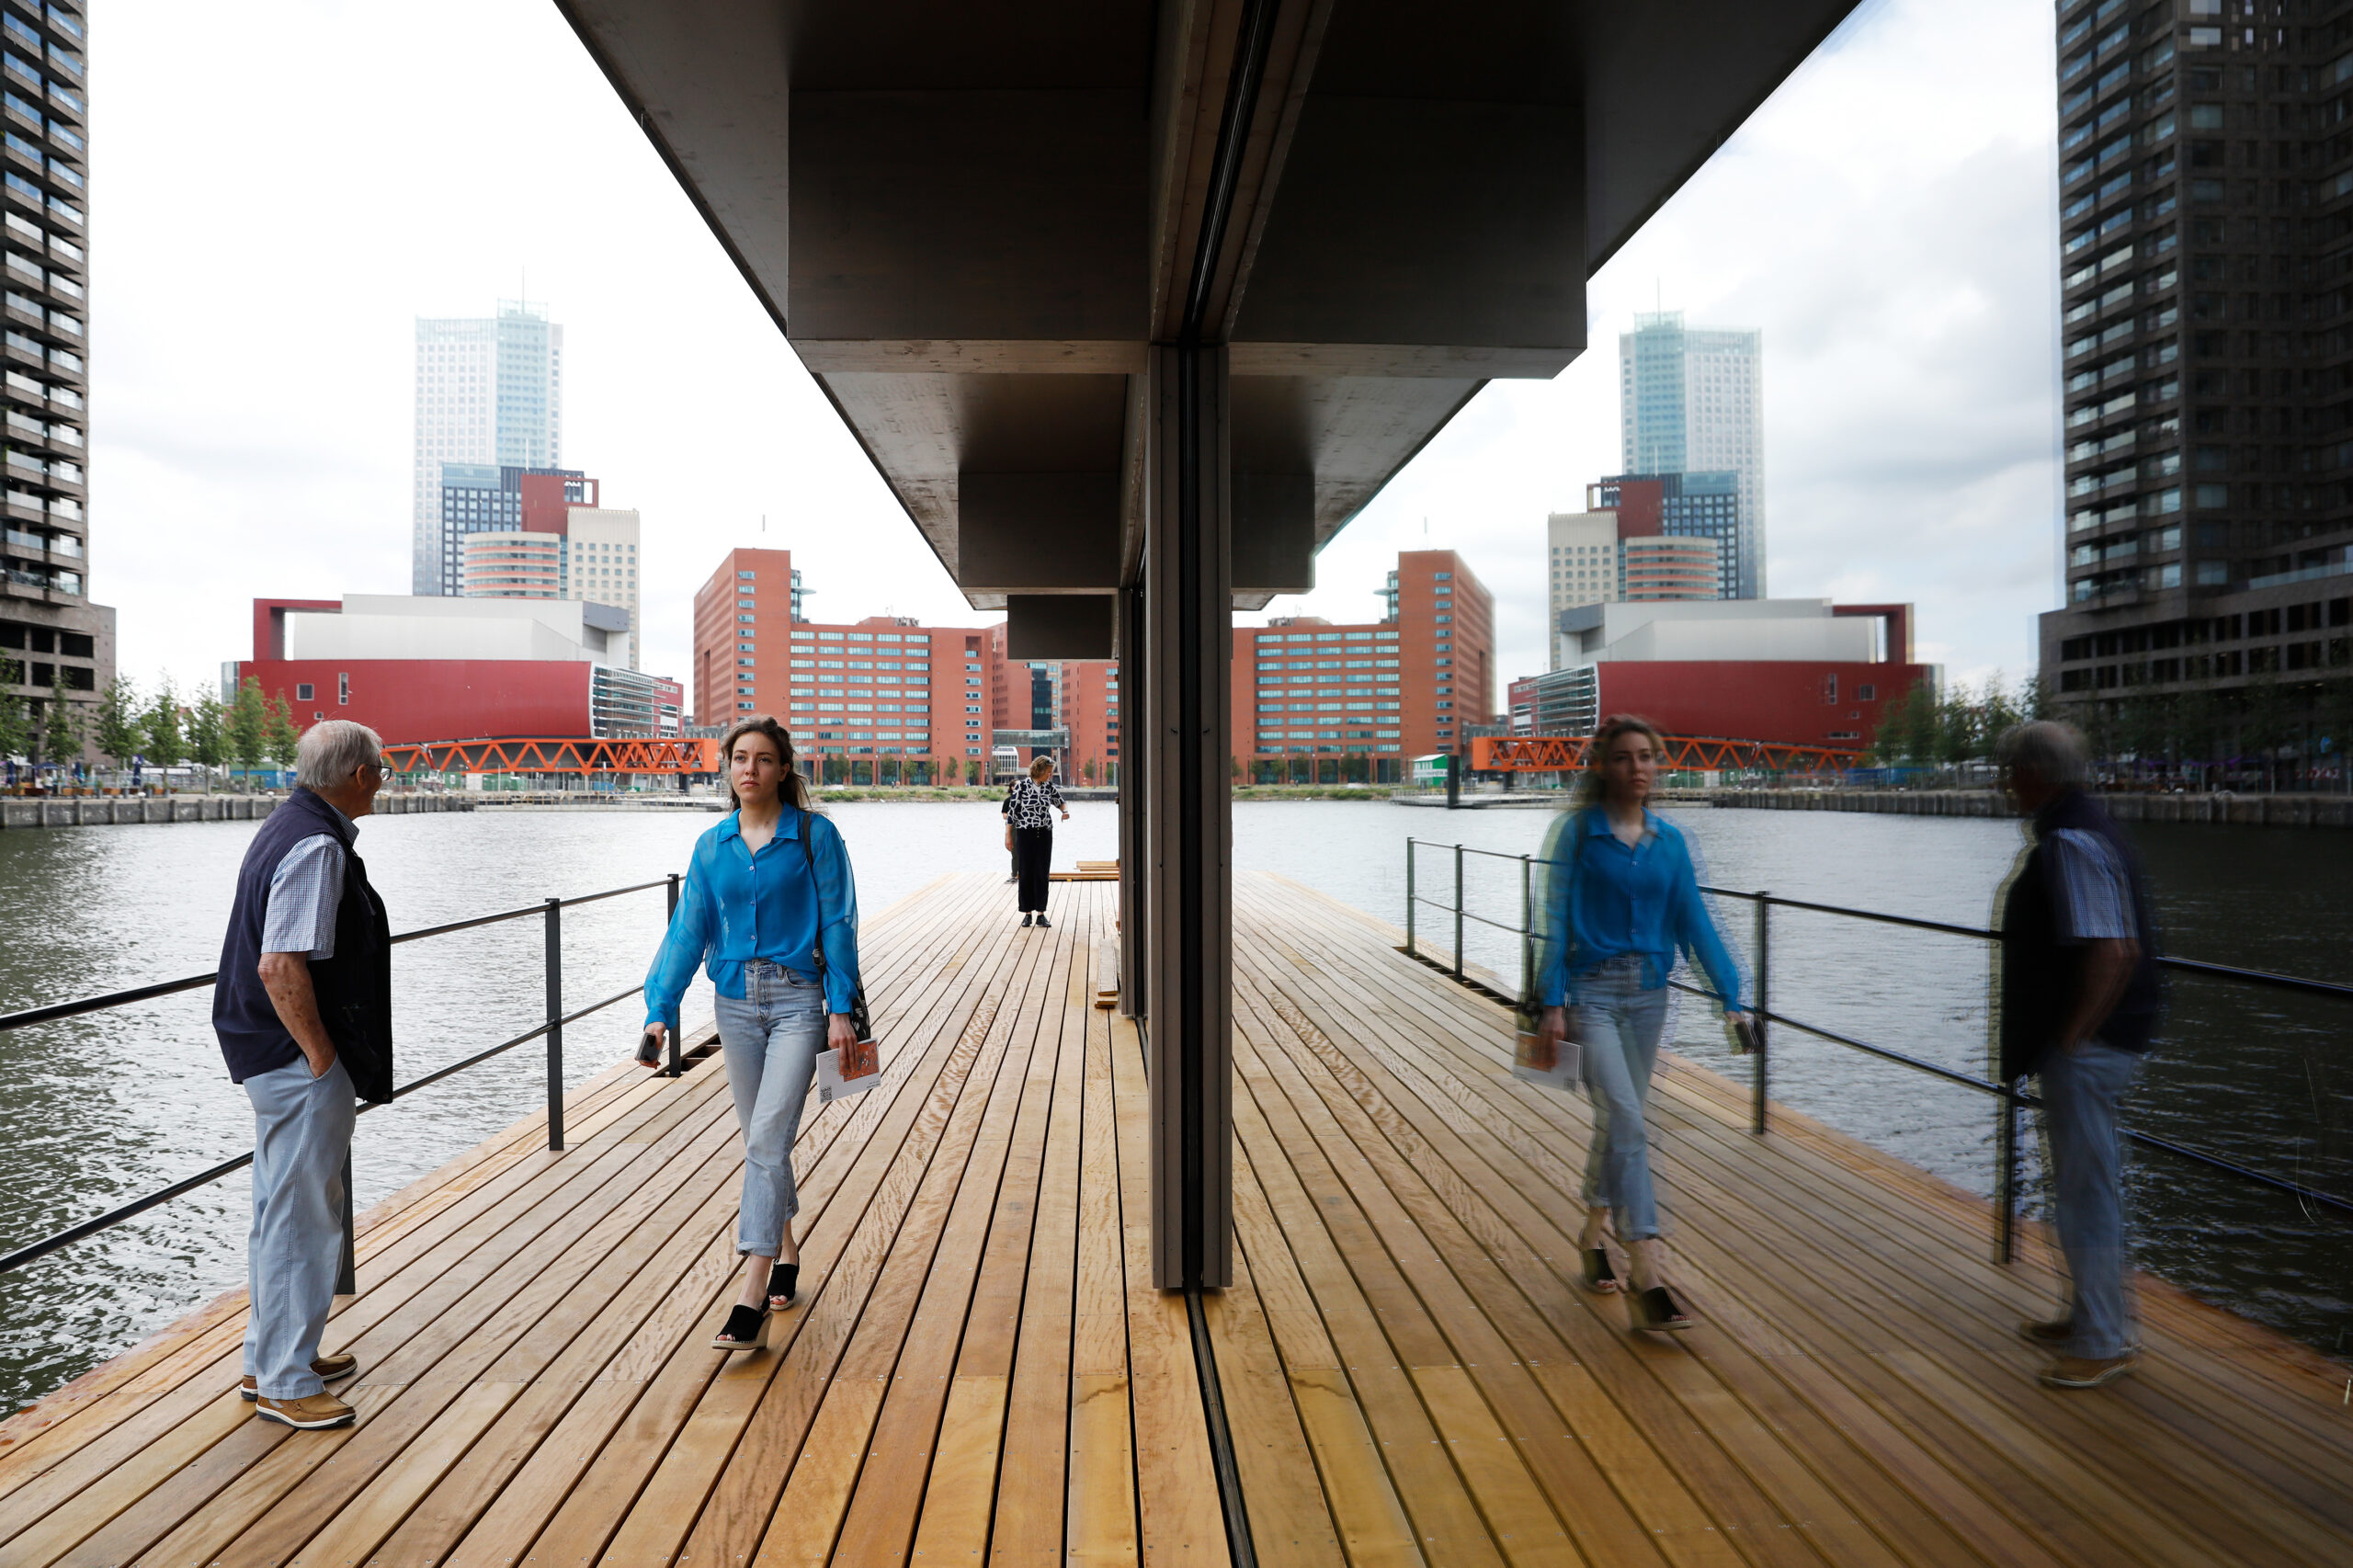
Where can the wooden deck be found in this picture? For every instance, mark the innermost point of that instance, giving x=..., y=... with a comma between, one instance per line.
x=979, y=1371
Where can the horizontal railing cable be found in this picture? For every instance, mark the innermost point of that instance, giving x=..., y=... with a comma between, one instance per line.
x=56, y=1010
x=552, y=1031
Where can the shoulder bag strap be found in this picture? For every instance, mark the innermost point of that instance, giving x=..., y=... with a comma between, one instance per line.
x=809, y=853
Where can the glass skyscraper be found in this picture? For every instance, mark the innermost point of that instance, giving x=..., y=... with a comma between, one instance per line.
x=1692, y=401
x=489, y=391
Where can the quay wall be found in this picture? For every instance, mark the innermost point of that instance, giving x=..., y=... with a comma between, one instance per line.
x=2243, y=810
x=100, y=810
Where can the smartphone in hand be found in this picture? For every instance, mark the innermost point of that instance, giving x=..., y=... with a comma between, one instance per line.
x=649, y=1049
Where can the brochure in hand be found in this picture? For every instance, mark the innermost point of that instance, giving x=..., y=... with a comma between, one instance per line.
x=1567, y=1057
x=832, y=1085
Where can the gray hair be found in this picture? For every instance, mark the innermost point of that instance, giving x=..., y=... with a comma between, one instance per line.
x=331, y=752
x=2053, y=751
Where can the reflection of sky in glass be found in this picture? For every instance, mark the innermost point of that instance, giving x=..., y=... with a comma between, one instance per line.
x=96, y=1110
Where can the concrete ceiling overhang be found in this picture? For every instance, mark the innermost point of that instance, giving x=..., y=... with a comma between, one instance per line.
x=973, y=220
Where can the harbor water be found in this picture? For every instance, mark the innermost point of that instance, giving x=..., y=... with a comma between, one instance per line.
x=96, y=1110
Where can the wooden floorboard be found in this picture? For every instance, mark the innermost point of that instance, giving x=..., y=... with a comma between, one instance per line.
x=979, y=1370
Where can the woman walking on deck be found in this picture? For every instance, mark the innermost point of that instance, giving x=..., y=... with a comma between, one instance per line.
x=1030, y=829
x=1620, y=897
x=769, y=910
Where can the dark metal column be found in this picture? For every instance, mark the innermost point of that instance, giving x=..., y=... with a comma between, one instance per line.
x=1188, y=632
x=1135, y=779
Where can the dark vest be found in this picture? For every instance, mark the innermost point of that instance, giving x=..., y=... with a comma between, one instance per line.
x=355, y=987
x=2041, y=974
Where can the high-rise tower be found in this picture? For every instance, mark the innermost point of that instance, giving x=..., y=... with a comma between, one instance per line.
x=1692, y=401
x=62, y=645
x=489, y=391
x=2205, y=200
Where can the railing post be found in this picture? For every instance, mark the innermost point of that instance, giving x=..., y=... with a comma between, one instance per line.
x=346, y=1268
x=1527, y=930
x=555, y=1024
x=1458, y=912
x=1758, y=1087
x=678, y=1065
x=1409, y=899
x=2005, y=1195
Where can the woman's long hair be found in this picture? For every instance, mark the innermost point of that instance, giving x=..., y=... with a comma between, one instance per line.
x=1593, y=788
x=792, y=786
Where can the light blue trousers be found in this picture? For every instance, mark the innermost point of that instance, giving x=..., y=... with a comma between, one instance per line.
x=1621, y=1023
x=2081, y=1091
x=301, y=1137
x=772, y=1037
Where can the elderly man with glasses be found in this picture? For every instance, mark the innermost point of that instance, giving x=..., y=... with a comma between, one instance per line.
x=303, y=1011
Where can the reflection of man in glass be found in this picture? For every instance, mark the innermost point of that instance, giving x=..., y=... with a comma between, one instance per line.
x=2080, y=1000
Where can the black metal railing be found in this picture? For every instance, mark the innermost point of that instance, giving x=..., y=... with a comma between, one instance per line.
x=551, y=913
x=2009, y=1096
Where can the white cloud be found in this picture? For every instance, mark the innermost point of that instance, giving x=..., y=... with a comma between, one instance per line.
x=274, y=203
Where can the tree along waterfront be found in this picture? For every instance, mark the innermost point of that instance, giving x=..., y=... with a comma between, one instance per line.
x=96, y=1110
x=2276, y=732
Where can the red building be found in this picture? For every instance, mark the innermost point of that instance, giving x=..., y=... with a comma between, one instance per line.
x=1382, y=691
x=852, y=692
x=441, y=669
x=1799, y=672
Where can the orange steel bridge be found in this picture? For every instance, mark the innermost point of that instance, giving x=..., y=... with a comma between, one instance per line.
x=1556, y=753
x=539, y=754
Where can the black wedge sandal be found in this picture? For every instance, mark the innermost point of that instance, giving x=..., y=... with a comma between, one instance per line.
x=1599, y=1278
x=784, y=1281
x=1659, y=1311
x=747, y=1329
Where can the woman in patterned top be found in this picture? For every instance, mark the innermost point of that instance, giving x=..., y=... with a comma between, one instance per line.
x=1030, y=830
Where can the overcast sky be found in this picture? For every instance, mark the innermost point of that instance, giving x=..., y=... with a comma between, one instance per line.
x=274, y=202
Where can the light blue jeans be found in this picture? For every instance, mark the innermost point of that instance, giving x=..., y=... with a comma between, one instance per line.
x=2081, y=1091
x=1621, y=1023
x=772, y=1037
x=301, y=1137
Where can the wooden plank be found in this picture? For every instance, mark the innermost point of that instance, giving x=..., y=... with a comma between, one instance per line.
x=603, y=1498
x=1488, y=1189
x=1828, y=1220
x=1289, y=1519
x=1177, y=1511
x=1032, y=1471
x=1100, y=1500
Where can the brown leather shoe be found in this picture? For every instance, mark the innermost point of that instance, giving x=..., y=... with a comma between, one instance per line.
x=2084, y=1372
x=2054, y=1333
x=331, y=1369
x=308, y=1415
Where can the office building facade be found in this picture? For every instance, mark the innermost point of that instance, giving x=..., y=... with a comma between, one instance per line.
x=2205, y=204
x=542, y=533
x=61, y=644
x=859, y=692
x=1692, y=401
x=1644, y=537
x=1400, y=688
x=489, y=393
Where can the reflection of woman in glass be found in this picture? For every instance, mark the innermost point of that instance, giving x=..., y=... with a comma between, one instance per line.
x=1620, y=897
x=1030, y=827
x=766, y=887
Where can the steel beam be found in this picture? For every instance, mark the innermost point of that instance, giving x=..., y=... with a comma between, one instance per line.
x=1189, y=629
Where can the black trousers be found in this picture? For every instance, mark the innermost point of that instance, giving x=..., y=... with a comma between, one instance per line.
x=1033, y=855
